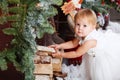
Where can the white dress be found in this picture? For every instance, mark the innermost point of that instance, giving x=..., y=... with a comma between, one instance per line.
x=103, y=61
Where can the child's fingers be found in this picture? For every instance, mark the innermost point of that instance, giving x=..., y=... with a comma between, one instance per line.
x=56, y=55
x=56, y=50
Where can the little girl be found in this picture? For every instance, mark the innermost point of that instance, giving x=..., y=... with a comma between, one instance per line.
x=99, y=50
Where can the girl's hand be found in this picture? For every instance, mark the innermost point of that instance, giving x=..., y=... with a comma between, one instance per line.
x=57, y=53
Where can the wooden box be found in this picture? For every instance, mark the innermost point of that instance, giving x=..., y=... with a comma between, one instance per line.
x=43, y=77
x=43, y=65
x=43, y=69
x=57, y=64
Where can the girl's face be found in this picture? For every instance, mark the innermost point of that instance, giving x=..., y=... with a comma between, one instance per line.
x=83, y=27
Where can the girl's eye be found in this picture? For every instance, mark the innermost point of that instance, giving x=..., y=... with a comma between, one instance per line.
x=85, y=25
x=78, y=24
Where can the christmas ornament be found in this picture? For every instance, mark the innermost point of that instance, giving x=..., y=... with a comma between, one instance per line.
x=70, y=8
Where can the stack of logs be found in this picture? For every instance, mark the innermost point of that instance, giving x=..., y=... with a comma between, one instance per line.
x=45, y=64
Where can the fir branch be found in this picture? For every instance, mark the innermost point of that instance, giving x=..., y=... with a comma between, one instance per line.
x=16, y=10
x=28, y=23
x=13, y=1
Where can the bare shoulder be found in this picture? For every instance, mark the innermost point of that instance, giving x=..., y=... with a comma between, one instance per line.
x=90, y=43
x=82, y=49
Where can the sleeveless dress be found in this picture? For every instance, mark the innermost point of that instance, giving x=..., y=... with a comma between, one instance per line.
x=103, y=61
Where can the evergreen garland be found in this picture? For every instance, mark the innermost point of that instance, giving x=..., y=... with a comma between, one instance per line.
x=28, y=22
x=101, y=6
x=97, y=6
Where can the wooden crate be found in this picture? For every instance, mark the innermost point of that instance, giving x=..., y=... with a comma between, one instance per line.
x=43, y=65
x=43, y=69
x=43, y=77
x=57, y=64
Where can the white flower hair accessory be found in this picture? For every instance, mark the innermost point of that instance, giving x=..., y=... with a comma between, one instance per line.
x=100, y=19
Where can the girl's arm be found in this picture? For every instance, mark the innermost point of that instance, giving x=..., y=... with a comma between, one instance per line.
x=79, y=52
x=70, y=44
x=66, y=45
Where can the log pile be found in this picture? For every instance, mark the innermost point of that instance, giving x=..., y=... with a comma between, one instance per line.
x=45, y=64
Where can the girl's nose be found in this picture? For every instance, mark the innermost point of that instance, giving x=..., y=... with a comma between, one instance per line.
x=79, y=28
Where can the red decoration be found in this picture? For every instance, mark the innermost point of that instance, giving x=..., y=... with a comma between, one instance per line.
x=68, y=0
x=68, y=7
x=103, y=3
x=118, y=2
x=80, y=1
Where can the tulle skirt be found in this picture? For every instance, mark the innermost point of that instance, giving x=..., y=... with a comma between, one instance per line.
x=106, y=62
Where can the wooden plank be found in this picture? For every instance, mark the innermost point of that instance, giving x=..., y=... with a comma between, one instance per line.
x=57, y=64
x=43, y=77
x=45, y=49
x=43, y=69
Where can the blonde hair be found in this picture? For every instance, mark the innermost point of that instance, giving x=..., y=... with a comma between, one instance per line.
x=87, y=14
